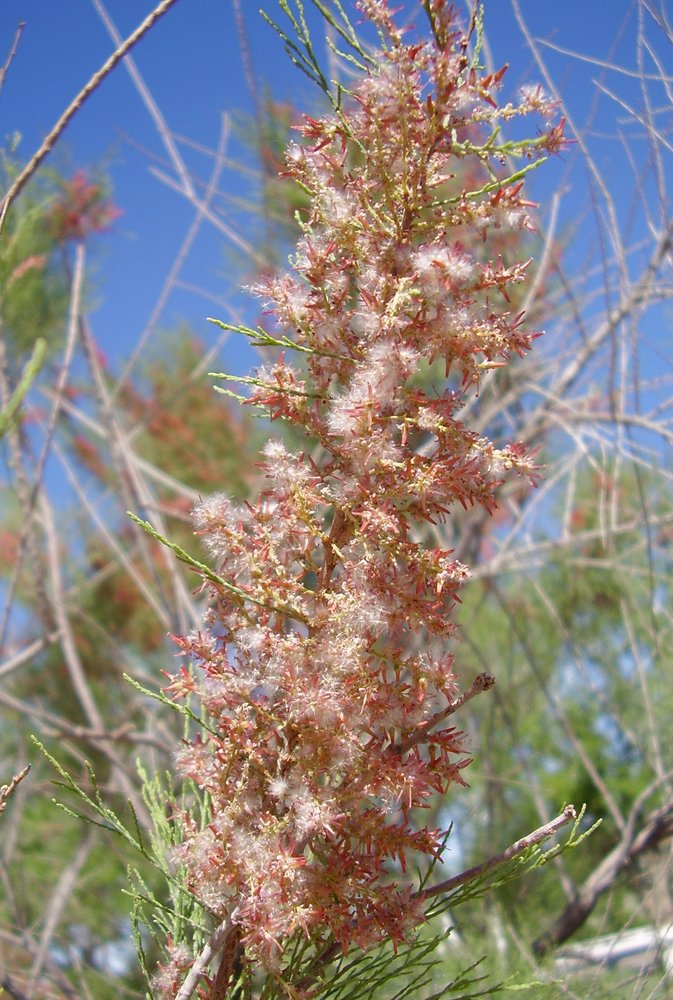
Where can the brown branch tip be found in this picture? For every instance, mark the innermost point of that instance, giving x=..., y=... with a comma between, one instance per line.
x=568, y=815
x=6, y=790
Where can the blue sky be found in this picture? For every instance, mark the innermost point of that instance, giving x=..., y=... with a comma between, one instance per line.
x=191, y=63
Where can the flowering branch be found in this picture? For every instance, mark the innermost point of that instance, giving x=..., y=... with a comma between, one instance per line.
x=470, y=875
x=323, y=662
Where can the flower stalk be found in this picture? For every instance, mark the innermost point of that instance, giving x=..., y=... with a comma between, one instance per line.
x=324, y=667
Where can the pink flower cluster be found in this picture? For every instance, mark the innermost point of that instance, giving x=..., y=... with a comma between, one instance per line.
x=323, y=666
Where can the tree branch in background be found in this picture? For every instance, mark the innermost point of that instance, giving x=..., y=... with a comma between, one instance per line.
x=12, y=52
x=57, y=903
x=6, y=790
x=538, y=836
x=77, y=103
x=655, y=828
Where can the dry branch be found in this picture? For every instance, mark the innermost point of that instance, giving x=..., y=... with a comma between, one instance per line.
x=538, y=836
x=12, y=52
x=654, y=829
x=72, y=109
x=6, y=790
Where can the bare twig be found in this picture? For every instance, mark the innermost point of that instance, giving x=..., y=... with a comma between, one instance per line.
x=559, y=713
x=146, y=95
x=109, y=537
x=238, y=241
x=159, y=476
x=513, y=851
x=58, y=987
x=12, y=52
x=136, y=491
x=73, y=661
x=483, y=682
x=77, y=103
x=57, y=903
x=656, y=827
x=122, y=734
x=210, y=950
x=6, y=790
x=230, y=964
x=26, y=539
x=603, y=63
x=246, y=56
x=201, y=207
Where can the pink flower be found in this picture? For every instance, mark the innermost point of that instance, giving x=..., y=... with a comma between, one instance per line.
x=323, y=669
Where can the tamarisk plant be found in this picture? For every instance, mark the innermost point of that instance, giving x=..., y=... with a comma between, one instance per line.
x=324, y=667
